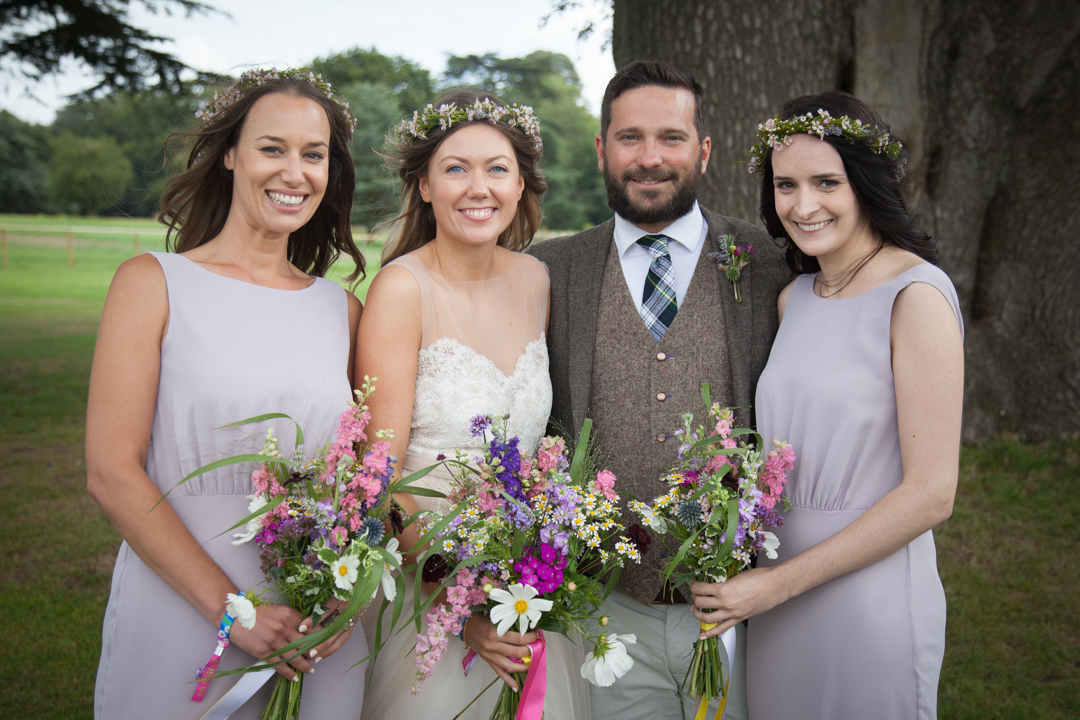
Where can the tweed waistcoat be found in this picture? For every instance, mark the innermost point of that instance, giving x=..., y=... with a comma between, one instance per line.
x=641, y=387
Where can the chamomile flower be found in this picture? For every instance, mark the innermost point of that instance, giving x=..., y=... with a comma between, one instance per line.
x=517, y=604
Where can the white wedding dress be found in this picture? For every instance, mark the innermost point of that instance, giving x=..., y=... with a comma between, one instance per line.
x=482, y=352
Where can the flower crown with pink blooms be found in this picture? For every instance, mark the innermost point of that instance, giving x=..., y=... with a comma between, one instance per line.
x=254, y=78
x=775, y=133
x=443, y=117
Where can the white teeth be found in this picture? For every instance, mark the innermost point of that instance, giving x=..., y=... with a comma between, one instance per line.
x=478, y=213
x=815, y=226
x=291, y=200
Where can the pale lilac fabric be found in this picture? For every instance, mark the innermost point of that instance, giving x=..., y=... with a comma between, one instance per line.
x=233, y=350
x=870, y=643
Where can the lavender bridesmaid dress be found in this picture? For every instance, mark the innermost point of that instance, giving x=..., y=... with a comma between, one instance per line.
x=232, y=350
x=870, y=643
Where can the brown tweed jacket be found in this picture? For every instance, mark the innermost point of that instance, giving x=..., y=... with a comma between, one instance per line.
x=576, y=266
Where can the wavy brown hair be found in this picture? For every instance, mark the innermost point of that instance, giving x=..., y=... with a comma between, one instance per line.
x=195, y=202
x=415, y=224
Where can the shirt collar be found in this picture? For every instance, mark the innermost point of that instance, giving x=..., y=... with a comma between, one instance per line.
x=686, y=231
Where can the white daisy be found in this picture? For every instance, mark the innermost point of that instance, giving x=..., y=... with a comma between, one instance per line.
x=609, y=661
x=519, y=604
x=242, y=609
x=344, y=570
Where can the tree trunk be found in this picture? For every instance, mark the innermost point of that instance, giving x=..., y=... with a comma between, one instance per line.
x=983, y=92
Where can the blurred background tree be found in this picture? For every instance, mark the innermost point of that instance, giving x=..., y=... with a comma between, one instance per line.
x=24, y=166
x=87, y=174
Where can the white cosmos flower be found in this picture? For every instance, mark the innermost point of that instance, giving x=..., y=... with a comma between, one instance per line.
x=242, y=609
x=344, y=570
x=769, y=544
x=254, y=525
x=653, y=519
x=389, y=587
x=609, y=661
x=518, y=604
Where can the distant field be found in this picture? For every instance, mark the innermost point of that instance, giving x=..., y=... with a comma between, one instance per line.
x=1007, y=556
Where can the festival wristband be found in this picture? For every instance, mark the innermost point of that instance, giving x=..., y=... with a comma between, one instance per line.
x=207, y=672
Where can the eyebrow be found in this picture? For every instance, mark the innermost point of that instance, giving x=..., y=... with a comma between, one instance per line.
x=819, y=176
x=283, y=141
x=662, y=131
x=456, y=158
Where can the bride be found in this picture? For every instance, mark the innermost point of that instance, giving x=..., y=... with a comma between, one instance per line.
x=454, y=327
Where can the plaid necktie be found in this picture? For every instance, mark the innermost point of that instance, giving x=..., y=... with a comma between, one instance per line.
x=658, y=301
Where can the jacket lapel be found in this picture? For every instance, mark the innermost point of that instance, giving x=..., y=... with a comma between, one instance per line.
x=586, y=280
x=738, y=316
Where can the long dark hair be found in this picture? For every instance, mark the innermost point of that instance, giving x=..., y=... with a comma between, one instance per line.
x=415, y=223
x=876, y=180
x=195, y=203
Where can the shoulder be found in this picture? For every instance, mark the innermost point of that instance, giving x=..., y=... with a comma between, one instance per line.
x=530, y=267
x=562, y=247
x=927, y=293
x=140, y=274
x=395, y=283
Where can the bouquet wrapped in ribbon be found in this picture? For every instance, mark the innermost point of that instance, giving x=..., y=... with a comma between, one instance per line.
x=724, y=497
x=536, y=543
x=320, y=526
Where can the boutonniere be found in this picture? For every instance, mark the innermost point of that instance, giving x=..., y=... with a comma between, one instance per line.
x=732, y=259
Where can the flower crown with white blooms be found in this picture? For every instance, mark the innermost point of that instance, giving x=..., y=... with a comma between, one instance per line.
x=775, y=133
x=443, y=117
x=254, y=78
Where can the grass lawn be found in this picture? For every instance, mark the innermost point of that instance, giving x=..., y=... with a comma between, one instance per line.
x=1007, y=556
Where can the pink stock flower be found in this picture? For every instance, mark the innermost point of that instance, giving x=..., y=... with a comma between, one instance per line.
x=780, y=460
x=605, y=483
x=547, y=457
x=260, y=479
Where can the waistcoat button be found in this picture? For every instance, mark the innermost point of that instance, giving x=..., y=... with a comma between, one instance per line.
x=661, y=437
x=661, y=356
x=661, y=397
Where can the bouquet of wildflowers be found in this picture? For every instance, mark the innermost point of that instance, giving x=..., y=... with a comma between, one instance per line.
x=320, y=528
x=723, y=499
x=533, y=540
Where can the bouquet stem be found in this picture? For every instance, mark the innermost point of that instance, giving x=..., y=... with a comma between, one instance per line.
x=285, y=701
x=705, y=679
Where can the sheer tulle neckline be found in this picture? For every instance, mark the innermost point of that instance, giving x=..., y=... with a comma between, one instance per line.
x=518, y=364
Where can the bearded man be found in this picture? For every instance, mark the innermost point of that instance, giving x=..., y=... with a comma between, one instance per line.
x=642, y=313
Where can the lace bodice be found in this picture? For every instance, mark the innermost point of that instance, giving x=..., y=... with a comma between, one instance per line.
x=454, y=383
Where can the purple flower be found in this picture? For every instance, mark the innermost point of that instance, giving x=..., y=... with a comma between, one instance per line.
x=479, y=424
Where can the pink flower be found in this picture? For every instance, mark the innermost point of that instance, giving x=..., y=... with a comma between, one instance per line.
x=780, y=460
x=605, y=483
x=260, y=479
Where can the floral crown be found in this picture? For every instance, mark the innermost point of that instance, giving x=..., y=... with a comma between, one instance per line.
x=775, y=134
x=442, y=117
x=254, y=78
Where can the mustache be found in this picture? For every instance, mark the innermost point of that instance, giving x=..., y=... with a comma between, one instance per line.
x=649, y=175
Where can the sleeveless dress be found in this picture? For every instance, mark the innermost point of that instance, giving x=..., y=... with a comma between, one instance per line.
x=225, y=357
x=869, y=643
x=482, y=351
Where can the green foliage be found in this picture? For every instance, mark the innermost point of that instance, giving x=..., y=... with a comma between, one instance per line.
x=139, y=123
x=409, y=83
x=41, y=35
x=548, y=82
x=377, y=110
x=88, y=174
x=24, y=165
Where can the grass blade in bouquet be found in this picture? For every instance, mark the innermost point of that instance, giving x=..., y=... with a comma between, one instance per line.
x=530, y=545
x=717, y=514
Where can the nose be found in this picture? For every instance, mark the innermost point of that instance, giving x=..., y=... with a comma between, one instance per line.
x=291, y=173
x=806, y=203
x=478, y=186
x=650, y=156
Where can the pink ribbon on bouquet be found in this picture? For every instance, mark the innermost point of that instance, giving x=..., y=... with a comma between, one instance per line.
x=531, y=706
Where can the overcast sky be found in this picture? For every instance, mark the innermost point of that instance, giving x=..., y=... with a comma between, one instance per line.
x=286, y=33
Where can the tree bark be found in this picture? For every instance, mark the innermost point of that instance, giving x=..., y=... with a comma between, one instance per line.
x=983, y=92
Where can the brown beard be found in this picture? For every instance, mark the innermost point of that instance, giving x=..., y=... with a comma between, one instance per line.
x=681, y=202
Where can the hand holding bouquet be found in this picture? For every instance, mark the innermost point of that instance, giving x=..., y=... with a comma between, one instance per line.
x=721, y=504
x=533, y=540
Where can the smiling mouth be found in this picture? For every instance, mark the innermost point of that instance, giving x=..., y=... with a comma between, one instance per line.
x=286, y=200
x=811, y=228
x=478, y=213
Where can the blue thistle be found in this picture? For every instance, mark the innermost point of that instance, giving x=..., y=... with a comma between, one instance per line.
x=689, y=513
x=373, y=530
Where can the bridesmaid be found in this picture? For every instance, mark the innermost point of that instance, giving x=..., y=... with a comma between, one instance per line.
x=238, y=323
x=865, y=380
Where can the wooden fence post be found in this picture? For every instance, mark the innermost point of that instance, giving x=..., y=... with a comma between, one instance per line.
x=3, y=245
x=136, y=243
x=71, y=249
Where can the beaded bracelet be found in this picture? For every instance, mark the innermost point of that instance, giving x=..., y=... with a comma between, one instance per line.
x=206, y=673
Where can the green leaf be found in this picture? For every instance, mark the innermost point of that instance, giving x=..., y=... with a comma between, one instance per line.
x=269, y=416
x=580, y=449
x=706, y=396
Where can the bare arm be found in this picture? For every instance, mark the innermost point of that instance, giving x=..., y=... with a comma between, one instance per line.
x=356, y=309
x=928, y=370
x=120, y=413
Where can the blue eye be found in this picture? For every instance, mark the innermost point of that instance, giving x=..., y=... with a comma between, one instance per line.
x=455, y=169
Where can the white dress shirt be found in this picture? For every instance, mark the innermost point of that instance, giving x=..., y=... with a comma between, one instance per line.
x=688, y=234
